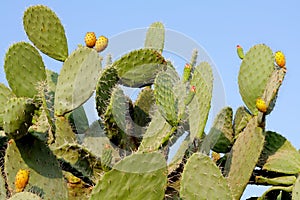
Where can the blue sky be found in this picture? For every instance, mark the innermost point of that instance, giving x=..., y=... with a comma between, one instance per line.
x=217, y=26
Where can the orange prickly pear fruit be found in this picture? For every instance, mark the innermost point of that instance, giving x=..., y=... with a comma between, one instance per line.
x=240, y=51
x=280, y=59
x=261, y=105
x=21, y=179
x=101, y=43
x=90, y=39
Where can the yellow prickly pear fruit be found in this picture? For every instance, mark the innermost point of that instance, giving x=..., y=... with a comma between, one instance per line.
x=90, y=39
x=21, y=179
x=280, y=59
x=261, y=105
x=240, y=51
x=187, y=72
x=101, y=43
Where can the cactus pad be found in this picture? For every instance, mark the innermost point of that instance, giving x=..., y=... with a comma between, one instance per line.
x=155, y=37
x=23, y=57
x=139, y=67
x=202, y=179
x=279, y=155
x=255, y=71
x=241, y=119
x=45, y=178
x=18, y=117
x=296, y=189
x=139, y=176
x=166, y=93
x=220, y=136
x=107, y=81
x=46, y=32
x=5, y=95
x=77, y=80
x=199, y=107
x=157, y=129
x=243, y=157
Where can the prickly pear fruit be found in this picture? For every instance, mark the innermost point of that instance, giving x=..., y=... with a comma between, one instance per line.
x=101, y=43
x=240, y=51
x=21, y=180
x=261, y=105
x=280, y=59
x=187, y=72
x=90, y=39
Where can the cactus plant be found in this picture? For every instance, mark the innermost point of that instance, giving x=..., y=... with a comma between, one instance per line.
x=128, y=152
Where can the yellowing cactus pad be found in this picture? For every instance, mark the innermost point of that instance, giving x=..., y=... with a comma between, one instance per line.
x=261, y=105
x=101, y=43
x=21, y=179
x=90, y=39
x=280, y=59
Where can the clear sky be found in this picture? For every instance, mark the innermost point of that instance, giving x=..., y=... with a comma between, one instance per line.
x=218, y=26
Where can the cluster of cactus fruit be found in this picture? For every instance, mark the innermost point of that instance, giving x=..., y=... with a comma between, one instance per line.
x=50, y=151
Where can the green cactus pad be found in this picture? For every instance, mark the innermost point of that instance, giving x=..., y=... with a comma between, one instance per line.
x=143, y=106
x=167, y=91
x=80, y=158
x=25, y=196
x=281, y=181
x=157, y=129
x=46, y=32
x=45, y=178
x=17, y=117
x=279, y=155
x=255, y=71
x=107, y=81
x=271, y=91
x=220, y=136
x=155, y=37
x=243, y=157
x=296, y=189
x=202, y=179
x=77, y=80
x=23, y=57
x=63, y=132
x=79, y=120
x=5, y=95
x=139, y=67
x=199, y=107
x=179, y=155
x=241, y=119
x=139, y=176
